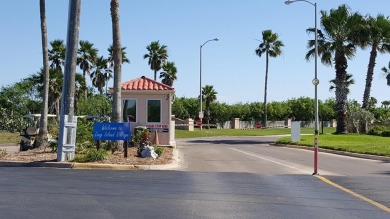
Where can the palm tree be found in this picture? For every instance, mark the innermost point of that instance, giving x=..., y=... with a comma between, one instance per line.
x=209, y=95
x=43, y=122
x=378, y=38
x=157, y=56
x=385, y=104
x=169, y=74
x=335, y=44
x=111, y=58
x=348, y=81
x=271, y=47
x=54, y=88
x=101, y=74
x=386, y=72
x=57, y=54
x=86, y=59
x=117, y=57
x=80, y=88
x=372, y=103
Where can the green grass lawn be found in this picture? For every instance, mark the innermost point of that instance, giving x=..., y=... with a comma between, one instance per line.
x=9, y=138
x=362, y=144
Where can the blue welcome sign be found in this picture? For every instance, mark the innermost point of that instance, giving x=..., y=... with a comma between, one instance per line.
x=111, y=131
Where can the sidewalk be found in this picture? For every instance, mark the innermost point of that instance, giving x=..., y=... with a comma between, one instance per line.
x=10, y=148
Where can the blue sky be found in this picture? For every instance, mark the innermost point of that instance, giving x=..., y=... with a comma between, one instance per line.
x=230, y=65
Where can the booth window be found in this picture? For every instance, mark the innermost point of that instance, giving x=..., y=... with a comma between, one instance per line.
x=130, y=110
x=154, y=110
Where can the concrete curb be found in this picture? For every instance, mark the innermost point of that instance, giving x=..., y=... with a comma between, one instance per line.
x=344, y=153
x=103, y=166
x=35, y=164
x=174, y=164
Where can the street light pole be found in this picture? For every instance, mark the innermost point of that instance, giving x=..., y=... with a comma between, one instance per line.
x=315, y=80
x=200, y=80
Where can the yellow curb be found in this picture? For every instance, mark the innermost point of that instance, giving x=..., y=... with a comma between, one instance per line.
x=103, y=166
x=354, y=194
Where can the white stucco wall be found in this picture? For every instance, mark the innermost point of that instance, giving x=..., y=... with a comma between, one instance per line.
x=163, y=128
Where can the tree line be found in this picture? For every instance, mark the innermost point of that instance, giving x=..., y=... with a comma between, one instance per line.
x=298, y=109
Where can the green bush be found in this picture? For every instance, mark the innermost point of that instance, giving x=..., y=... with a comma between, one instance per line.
x=53, y=146
x=159, y=150
x=84, y=131
x=385, y=133
x=91, y=155
x=376, y=130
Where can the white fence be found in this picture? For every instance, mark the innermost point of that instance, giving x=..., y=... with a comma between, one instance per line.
x=189, y=124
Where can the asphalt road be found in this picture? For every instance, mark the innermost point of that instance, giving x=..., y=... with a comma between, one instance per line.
x=256, y=155
x=369, y=178
x=67, y=193
x=227, y=177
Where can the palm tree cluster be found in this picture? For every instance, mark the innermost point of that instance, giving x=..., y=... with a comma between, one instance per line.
x=342, y=32
x=87, y=60
x=158, y=59
x=98, y=68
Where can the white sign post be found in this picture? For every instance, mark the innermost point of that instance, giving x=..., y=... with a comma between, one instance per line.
x=200, y=115
x=295, y=131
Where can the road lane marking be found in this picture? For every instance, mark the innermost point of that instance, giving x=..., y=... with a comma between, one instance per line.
x=322, y=178
x=354, y=194
x=273, y=161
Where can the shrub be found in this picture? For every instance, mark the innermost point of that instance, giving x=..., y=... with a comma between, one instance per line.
x=159, y=150
x=91, y=155
x=53, y=146
x=84, y=131
x=385, y=133
x=376, y=130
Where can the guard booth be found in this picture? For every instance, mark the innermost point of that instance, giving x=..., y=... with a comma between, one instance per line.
x=148, y=104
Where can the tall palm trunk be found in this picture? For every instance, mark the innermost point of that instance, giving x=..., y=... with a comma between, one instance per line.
x=117, y=55
x=341, y=93
x=369, y=77
x=45, y=53
x=265, y=90
x=85, y=81
x=155, y=75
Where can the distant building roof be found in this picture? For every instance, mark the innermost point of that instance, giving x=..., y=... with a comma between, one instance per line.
x=144, y=83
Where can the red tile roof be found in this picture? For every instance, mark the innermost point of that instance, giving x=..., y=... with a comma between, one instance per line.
x=144, y=83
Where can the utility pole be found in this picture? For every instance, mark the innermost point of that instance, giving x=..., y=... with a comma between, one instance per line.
x=68, y=86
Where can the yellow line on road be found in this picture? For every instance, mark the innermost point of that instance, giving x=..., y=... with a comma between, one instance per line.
x=354, y=194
